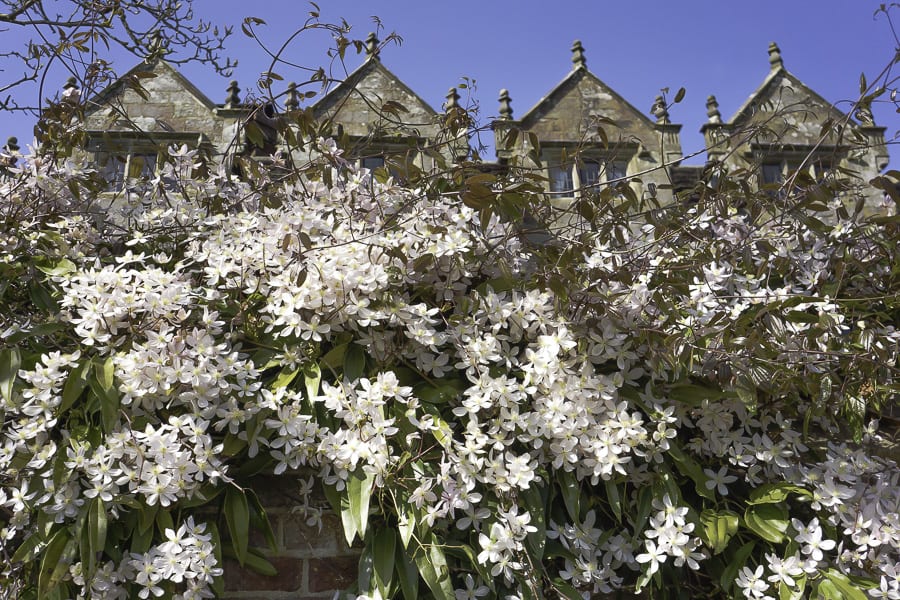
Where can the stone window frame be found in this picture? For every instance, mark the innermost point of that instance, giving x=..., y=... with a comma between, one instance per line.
x=383, y=151
x=131, y=150
x=774, y=168
x=556, y=158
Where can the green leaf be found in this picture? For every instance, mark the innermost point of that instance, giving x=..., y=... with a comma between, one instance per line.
x=218, y=584
x=827, y=590
x=534, y=501
x=36, y=331
x=768, y=521
x=846, y=587
x=62, y=266
x=408, y=575
x=237, y=516
x=42, y=298
x=259, y=518
x=312, y=378
x=359, y=493
x=26, y=550
x=54, y=554
x=105, y=374
x=565, y=590
x=407, y=526
x=384, y=551
x=76, y=382
x=799, y=316
x=773, y=493
x=432, y=565
x=615, y=502
x=365, y=575
x=737, y=561
x=103, y=386
x=254, y=561
x=354, y=362
x=147, y=517
x=688, y=467
x=254, y=134
x=718, y=528
x=285, y=377
x=10, y=360
x=334, y=358
x=97, y=526
x=164, y=520
x=571, y=493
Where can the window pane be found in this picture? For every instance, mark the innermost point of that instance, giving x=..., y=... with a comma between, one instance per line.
x=561, y=179
x=372, y=162
x=589, y=173
x=616, y=170
x=771, y=173
x=822, y=168
x=112, y=167
x=142, y=165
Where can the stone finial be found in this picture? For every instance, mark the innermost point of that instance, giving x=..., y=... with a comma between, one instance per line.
x=452, y=100
x=372, y=49
x=71, y=92
x=712, y=110
x=660, y=111
x=8, y=153
x=506, y=111
x=234, y=95
x=775, y=56
x=293, y=97
x=578, y=58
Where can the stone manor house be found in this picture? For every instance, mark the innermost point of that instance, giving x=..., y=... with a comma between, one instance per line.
x=777, y=130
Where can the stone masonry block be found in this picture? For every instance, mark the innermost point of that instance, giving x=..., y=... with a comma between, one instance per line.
x=332, y=573
x=288, y=579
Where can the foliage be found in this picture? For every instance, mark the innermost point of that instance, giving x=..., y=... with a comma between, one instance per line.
x=500, y=398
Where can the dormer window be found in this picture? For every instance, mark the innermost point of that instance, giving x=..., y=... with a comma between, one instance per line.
x=772, y=173
x=371, y=162
x=120, y=167
x=573, y=177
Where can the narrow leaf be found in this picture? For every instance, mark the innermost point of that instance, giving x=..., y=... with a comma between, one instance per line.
x=10, y=360
x=359, y=492
x=237, y=516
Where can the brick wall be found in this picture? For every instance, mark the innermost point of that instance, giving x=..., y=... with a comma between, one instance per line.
x=312, y=563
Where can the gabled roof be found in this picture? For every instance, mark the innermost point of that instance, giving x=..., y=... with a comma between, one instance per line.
x=354, y=88
x=564, y=87
x=99, y=100
x=772, y=87
x=767, y=91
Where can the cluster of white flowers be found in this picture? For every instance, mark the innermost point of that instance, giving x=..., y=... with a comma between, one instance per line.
x=186, y=557
x=364, y=329
x=755, y=584
x=595, y=561
x=668, y=536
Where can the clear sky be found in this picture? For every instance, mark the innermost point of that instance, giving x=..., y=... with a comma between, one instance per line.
x=706, y=46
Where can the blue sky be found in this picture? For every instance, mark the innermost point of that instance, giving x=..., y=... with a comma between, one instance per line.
x=705, y=46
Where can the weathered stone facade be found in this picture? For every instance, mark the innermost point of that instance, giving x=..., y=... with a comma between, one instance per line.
x=581, y=136
x=779, y=131
x=151, y=107
x=589, y=135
